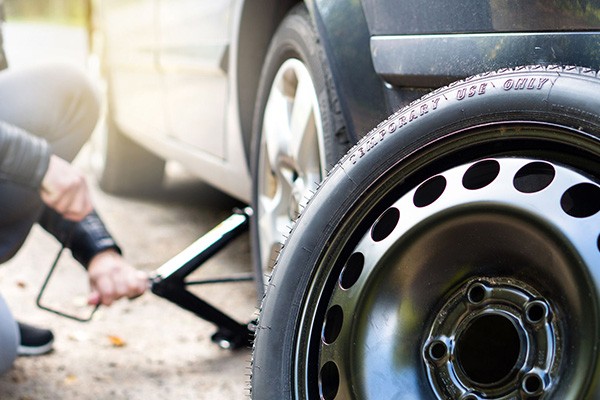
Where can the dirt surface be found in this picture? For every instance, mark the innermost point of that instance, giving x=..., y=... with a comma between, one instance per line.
x=147, y=348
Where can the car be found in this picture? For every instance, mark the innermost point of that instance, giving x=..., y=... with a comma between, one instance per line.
x=445, y=240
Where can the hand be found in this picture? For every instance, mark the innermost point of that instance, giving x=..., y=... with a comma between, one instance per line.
x=64, y=189
x=112, y=278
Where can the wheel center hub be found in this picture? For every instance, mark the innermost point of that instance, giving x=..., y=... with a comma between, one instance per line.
x=488, y=350
x=493, y=340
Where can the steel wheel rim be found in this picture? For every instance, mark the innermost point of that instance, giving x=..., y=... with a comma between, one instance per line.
x=335, y=362
x=291, y=156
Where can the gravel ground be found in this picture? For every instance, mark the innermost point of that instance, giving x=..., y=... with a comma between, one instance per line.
x=147, y=348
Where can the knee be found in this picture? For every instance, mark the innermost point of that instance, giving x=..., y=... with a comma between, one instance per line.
x=76, y=91
x=74, y=109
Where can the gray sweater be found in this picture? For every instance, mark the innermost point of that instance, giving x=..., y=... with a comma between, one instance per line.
x=24, y=157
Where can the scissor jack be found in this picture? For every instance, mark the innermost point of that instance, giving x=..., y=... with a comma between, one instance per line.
x=169, y=282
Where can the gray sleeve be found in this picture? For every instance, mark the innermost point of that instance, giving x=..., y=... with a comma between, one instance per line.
x=24, y=157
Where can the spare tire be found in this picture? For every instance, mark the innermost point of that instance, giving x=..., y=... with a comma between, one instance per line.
x=453, y=253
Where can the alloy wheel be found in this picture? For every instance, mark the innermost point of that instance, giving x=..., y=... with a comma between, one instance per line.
x=291, y=158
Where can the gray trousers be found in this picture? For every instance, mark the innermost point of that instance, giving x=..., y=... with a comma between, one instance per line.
x=55, y=102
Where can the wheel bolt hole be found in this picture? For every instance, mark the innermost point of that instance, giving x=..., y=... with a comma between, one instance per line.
x=481, y=174
x=532, y=385
x=333, y=324
x=429, y=191
x=437, y=350
x=476, y=294
x=581, y=200
x=352, y=270
x=536, y=312
x=329, y=381
x=385, y=225
x=469, y=396
x=534, y=177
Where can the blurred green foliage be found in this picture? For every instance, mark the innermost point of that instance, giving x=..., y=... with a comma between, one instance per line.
x=70, y=12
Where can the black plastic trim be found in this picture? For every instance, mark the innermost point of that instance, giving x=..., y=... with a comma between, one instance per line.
x=437, y=60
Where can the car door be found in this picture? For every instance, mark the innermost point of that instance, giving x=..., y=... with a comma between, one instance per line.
x=193, y=37
x=130, y=60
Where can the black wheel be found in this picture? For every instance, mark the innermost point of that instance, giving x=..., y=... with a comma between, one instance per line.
x=126, y=167
x=454, y=253
x=297, y=133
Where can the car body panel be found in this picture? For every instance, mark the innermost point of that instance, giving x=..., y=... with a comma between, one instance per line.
x=134, y=76
x=193, y=37
x=454, y=56
x=416, y=46
x=467, y=37
x=186, y=89
x=169, y=91
x=412, y=17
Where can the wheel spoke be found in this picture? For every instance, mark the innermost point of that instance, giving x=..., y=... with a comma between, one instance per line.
x=276, y=126
x=304, y=147
x=272, y=221
x=290, y=161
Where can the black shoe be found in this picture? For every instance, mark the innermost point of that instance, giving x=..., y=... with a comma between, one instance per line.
x=34, y=341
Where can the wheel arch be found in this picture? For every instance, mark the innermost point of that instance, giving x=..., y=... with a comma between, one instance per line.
x=356, y=86
x=257, y=26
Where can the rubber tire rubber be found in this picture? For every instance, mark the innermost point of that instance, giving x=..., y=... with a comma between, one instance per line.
x=296, y=37
x=430, y=135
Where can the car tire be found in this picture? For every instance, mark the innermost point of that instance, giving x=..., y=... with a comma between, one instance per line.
x=454, y=252
x=126, y=168
x=298, y=133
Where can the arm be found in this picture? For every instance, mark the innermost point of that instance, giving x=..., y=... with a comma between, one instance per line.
x=26, y=159
x=64, y=189
x=111, y=277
